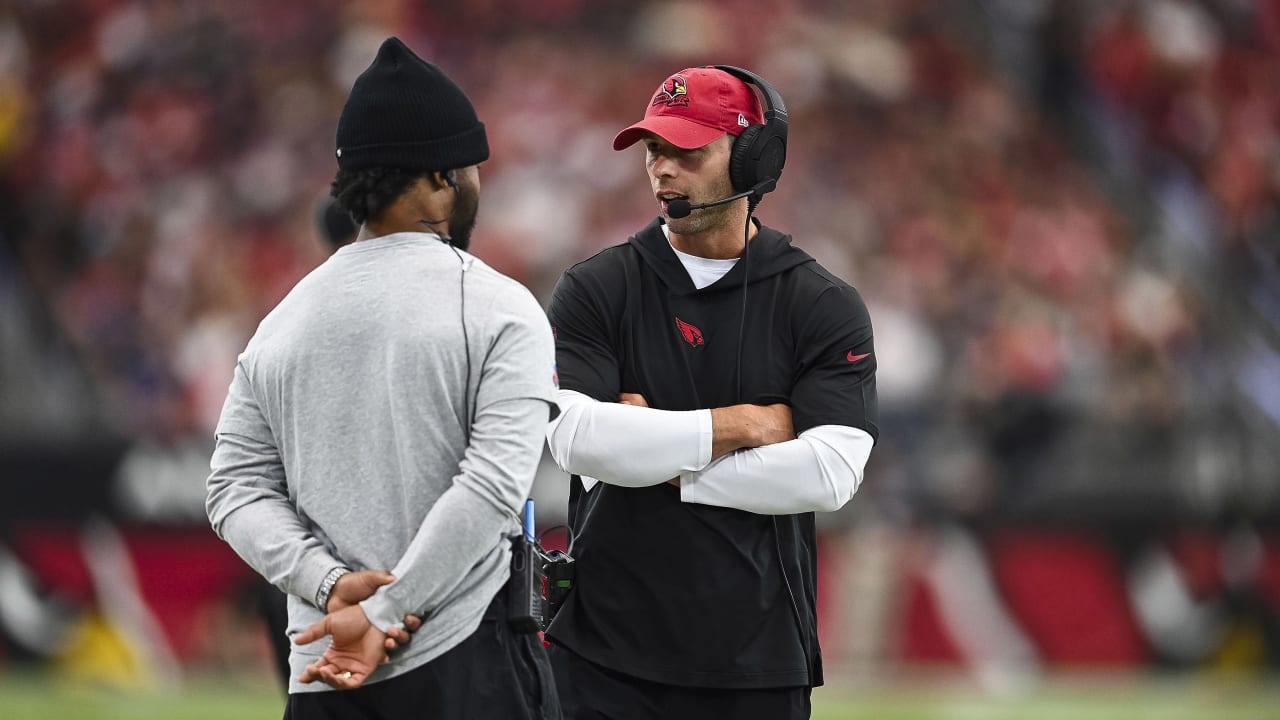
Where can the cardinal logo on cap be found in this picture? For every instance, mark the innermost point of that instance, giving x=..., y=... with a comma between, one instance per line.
x=674, y=91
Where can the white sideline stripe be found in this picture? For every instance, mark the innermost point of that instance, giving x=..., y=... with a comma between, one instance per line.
x=116, y=584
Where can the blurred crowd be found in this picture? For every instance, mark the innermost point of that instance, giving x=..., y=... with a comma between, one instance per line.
x=1063, y=214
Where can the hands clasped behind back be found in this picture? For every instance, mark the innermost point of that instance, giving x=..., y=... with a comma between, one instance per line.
x=361, y=585
x=357, y=647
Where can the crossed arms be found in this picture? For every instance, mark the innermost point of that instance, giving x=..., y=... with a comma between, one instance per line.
x=745, y=457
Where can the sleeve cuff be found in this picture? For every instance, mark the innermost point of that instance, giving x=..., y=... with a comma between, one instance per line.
x=382, y=612
x=312, y=573
x=690, y=488
x=706, y=435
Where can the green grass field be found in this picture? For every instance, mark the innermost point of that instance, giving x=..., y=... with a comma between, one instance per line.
x=26, y=697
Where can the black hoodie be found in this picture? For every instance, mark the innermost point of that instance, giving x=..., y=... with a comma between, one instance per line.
x=689, y=594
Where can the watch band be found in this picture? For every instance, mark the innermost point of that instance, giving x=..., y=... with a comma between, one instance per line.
x=326, y=587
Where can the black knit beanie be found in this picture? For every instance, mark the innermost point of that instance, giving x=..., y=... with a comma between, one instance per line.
x=405, y=112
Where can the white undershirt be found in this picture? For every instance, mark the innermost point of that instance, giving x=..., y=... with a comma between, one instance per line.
x=703, y=271
x=632, y=446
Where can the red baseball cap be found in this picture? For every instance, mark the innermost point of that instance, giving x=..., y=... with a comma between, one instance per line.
x=695, y=106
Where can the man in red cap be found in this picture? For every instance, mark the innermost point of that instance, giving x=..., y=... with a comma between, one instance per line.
x=717, y=387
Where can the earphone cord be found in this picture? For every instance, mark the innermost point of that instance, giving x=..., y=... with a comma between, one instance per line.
x=466, y=345
x=746, y=265
x=777, y=532
x=451, y=181
x=569, y=534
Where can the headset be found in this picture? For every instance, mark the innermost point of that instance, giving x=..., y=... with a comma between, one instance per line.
x=757, y=155
x=760, y=151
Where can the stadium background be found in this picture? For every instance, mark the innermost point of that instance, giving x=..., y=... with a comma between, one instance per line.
x=1063, y=214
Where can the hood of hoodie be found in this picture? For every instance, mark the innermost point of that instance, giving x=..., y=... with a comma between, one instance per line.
x=770, y=253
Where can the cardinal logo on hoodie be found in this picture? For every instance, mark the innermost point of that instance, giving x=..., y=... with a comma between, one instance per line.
x=690, y=333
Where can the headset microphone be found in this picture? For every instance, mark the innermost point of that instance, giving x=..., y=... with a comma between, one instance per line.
x=677, y=209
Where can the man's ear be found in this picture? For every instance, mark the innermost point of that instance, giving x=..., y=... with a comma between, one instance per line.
x=442, y=179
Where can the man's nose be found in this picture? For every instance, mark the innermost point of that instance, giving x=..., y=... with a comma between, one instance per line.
x=664, y=166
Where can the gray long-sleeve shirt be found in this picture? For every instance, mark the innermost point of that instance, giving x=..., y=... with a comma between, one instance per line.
x=342, y=438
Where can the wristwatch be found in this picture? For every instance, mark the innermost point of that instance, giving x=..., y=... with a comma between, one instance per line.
x=326, y=587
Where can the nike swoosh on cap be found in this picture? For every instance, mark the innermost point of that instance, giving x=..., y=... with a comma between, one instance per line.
x=855, y=358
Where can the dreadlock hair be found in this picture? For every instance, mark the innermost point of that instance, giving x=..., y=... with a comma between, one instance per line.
x=365, y=193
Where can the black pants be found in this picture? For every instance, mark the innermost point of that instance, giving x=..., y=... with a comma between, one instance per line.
x=591, y=692
x=493, y=674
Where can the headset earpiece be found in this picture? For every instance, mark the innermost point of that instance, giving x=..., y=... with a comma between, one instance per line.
x=742, y=171
x=760, y=151
x=760, y=157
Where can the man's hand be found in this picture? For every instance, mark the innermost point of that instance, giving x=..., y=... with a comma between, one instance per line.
x=749, y=426
x=356, y=586
x=635, y=399
x=355, y=652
